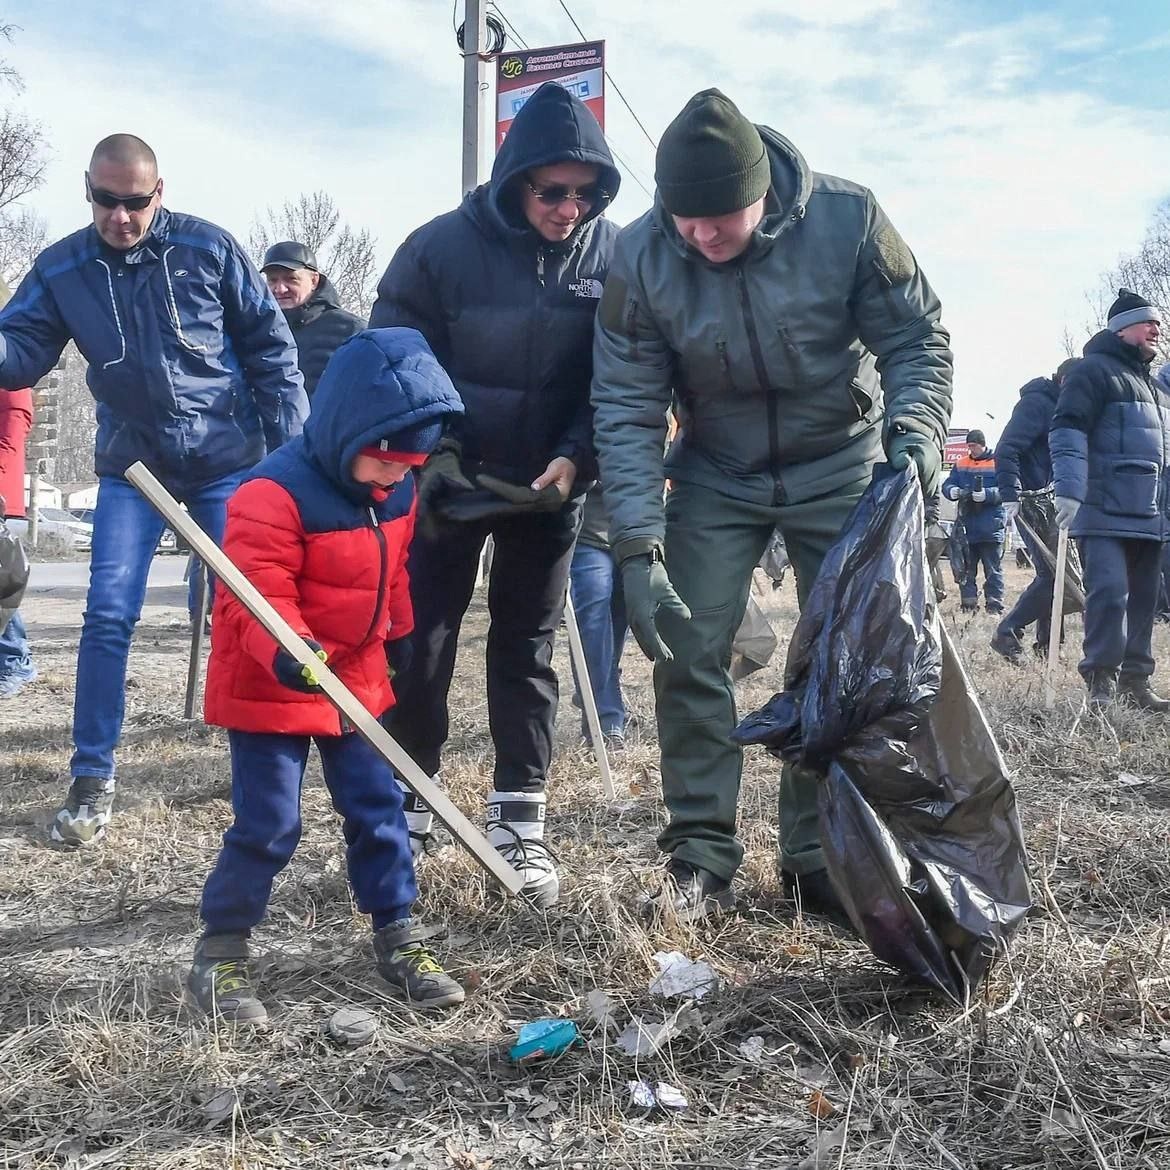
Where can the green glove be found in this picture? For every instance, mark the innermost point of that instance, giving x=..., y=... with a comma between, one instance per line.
x=523, y=499
x=647, y=589
x=904, y=447
x=442, y=475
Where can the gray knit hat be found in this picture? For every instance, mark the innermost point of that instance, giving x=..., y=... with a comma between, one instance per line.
x=711, y=159
x=1130, y=309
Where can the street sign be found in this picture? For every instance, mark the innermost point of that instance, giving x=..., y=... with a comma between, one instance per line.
x=580, y=68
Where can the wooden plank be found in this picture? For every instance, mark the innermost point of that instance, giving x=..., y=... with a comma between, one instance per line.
x=1057, y=618
x=230, y=577
x=588, y=702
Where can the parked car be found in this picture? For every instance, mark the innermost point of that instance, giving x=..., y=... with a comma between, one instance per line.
x=57, y=524
x=167, y=543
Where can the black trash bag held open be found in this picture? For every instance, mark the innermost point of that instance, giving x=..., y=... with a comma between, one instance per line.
x=917, y=816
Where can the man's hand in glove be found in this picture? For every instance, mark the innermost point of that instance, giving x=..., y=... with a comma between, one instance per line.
x=1066, y=510
x=647, y=589
x=902, y=447
x=399, y=655
x=292, y=674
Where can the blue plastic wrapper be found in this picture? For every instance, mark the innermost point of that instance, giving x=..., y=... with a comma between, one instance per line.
x=544, y=1038
x=917, y=816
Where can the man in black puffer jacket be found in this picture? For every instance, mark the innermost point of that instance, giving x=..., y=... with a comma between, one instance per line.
x=1110, y=444
x=310, y=305
x=505, y=289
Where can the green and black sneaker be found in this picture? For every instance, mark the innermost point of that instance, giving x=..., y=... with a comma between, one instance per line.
x=220, y=983
x=414, y=974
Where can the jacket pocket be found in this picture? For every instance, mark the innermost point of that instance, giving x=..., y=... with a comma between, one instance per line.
x=1130, y=488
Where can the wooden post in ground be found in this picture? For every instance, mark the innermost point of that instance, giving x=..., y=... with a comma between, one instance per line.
x=228, y=576
x=588, y=702
x=1057, y=618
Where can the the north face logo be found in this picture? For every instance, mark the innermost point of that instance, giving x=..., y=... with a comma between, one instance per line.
x=588, y=288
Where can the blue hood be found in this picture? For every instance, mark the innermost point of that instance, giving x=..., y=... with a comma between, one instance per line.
x=553, y=126
x=379, y=382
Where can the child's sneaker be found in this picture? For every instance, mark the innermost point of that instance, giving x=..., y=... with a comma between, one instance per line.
x=410, y=968
x=220, y=983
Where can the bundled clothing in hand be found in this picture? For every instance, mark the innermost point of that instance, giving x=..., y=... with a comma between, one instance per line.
x=324, y=538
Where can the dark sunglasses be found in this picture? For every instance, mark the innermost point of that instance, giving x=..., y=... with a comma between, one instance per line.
x=587, y=197
x=109, y=200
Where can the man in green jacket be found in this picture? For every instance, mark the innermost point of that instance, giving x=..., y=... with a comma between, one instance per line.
x=776, y=309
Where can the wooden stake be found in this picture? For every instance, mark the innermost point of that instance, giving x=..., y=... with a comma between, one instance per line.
x=1057, y=618
x=230, y=577
x=588, y=702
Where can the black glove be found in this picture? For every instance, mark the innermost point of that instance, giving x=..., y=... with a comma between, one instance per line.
x=399, y=655
x=442, y=476
x=497, y=498
x=647, y=589
x=290, y=673
x=524, y=499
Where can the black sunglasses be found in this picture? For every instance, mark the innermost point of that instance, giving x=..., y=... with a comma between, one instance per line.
x=587, y=197
x=109, y=200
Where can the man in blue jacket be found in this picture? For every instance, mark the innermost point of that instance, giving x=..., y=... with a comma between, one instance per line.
x=1023, y=473
x=505, y=289
x=972, y=485
x=1110, y=444
x=194, y=372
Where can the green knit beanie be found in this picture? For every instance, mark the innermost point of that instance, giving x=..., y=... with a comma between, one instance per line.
x=711, y=159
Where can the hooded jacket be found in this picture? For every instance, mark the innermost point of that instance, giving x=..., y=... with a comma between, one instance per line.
x=1022, y=459
x=777, y=362
x=983, y=519
x=321, y=548
x=190, y=359
x=318, y=327
x=508, y=314
x=1110, y=443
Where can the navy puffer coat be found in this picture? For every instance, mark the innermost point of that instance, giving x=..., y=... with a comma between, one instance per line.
x=508, y=314
x=1022, y=460
x=1110, y=443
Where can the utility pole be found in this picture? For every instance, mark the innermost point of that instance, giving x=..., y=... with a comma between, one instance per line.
x=474, y=87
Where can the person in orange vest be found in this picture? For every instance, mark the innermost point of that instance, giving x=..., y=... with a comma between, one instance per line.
x=972, y=486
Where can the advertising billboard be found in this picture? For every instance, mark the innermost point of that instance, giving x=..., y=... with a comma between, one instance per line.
x=579, y=68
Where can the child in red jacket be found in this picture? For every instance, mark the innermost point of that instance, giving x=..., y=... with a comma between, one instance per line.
x=321, y=527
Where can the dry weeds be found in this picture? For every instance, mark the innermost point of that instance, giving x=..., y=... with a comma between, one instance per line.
x=1064, y=1061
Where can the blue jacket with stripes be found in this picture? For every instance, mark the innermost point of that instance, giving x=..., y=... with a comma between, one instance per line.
x=191, y=362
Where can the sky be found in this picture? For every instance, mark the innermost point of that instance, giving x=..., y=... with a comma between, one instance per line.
x=1019, y=149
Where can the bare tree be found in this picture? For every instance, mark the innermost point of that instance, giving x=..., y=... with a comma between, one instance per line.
x=346, y=254
x=1146, y=272
x=23, y=236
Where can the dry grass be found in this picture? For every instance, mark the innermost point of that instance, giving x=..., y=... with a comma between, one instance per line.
x=1063, y=1062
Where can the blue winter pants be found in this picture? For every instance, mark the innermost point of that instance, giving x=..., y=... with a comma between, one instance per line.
x=1122, y=579
x=989, y=554
x=595, y=585
x=126, y=531
x=267, y=771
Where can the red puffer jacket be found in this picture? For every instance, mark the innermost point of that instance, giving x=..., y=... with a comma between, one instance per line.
x=16, y=417
x=346, y=589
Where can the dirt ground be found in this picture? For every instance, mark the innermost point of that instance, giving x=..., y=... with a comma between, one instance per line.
x=811, y=1054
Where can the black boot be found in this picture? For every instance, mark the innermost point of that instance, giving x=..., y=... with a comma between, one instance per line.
x=1135, y=690
x=220, y=983
x=689, y=894
x=1008, y=643
x=1102, y=684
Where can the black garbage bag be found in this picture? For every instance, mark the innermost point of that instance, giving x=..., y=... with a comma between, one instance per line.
x=14, y=571
x=918, y=819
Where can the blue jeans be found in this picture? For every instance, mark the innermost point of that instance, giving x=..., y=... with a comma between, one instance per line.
x=126, y=531
x=989, y=554
x=267, y=771
x=595, y=585
x=16, y=664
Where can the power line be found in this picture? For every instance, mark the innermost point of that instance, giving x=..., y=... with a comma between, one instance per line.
x=609, y=78
x=511, y=27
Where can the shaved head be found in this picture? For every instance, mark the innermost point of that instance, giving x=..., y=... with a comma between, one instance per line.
x=125, y=150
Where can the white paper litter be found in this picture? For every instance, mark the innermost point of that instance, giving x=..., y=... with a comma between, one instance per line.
x=682, y=976
x=666, y=1096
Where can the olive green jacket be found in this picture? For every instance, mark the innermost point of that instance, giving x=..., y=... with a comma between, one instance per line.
x=777, y=363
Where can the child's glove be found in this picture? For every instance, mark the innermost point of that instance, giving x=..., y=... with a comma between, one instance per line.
x=399, y=655
x=292, y=674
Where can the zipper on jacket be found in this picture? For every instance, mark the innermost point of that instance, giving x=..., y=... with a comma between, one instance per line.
x=749, y=321
x=382, y=572
x=540, y=266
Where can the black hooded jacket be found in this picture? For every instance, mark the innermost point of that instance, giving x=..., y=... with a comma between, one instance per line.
x=318, y=327
x=508, y=314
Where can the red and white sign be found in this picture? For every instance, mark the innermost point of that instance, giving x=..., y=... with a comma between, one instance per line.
x=579, y=68
x=956, y=446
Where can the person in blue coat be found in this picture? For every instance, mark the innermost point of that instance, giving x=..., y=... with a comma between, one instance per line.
x=1110, y=444
x=1023, y=474
x=505, y=289
x=194, y=373
x=972, y=485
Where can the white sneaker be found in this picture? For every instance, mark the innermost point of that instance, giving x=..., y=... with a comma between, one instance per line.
x=515, y=827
